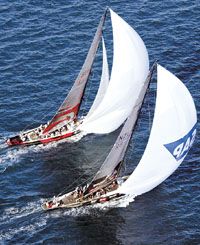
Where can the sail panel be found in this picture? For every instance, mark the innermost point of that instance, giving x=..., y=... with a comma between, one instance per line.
x=103, y=82
x=172, y=134
x=129, y=71
x=73, y=99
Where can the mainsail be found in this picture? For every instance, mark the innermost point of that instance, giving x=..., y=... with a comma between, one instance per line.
x=172, y=134
x=129, y=71
x=70, y=107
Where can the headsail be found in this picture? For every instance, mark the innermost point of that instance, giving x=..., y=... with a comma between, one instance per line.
x=172, y=134
x=70, y=107
x=129, y=71
x=103, y=82
x=117, y=153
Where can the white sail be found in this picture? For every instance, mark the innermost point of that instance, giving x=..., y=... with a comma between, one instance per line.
x=129, y=71
x=172, y=134
x=103, y=82
x=116, y=155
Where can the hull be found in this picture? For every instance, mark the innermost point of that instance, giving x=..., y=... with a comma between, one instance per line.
x=102, y=192
x=10, y=141
x=78, y=204
x=13, y=142
x=30, y=138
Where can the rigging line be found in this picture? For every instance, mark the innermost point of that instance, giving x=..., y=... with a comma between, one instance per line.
x=76, y=181
x=46, y=114
x=70, y=186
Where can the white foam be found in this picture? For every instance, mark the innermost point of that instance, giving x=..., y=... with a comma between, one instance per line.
x=2, y=145
x=24, y=228
x=87, y=210
x=14, y=213
x=120, y=203
x=13, y=155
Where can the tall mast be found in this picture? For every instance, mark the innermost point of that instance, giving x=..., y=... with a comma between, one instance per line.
x=69, y=109
x=116, y=155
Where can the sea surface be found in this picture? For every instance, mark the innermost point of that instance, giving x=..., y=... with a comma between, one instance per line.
x=43, y=45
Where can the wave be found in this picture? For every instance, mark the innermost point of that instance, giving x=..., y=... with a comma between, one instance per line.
x=12, y=155
x=31, y=228
x=20, y=216
x=31, y=218
x=14, y=213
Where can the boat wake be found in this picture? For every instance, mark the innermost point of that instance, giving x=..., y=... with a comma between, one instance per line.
x=14, y=213
x=21, y=216
x=120, y=203
x=31, y=228
x=32, y=219
x=94, y=209
x=10, y=156
x=73, y=138
x=2, y=145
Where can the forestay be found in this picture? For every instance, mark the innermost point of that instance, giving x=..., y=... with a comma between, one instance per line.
x=129, y=71
x=172, y=134
x=70, y=107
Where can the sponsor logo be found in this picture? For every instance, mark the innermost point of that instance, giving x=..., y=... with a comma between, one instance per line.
x=122, y=139
x=180, y=148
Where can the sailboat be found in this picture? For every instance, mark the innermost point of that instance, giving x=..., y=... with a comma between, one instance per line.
x=116, y=95
x=172, y=135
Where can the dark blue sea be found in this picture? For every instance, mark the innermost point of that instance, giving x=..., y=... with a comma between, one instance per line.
x=43, y=45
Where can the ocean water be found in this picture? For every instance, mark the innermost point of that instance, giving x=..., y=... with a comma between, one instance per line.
x=42, y=48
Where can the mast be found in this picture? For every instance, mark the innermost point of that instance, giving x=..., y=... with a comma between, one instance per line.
x=116, y=155
x=129, y=70
x=69, y=109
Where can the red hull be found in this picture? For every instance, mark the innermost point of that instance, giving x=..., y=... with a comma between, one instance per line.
x=17, y=141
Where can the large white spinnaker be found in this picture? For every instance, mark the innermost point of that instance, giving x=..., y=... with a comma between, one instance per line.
x=103, y=82
x=129, y=71
x=172, y=134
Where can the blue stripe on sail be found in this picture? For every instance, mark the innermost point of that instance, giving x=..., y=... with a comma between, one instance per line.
x=180, y=148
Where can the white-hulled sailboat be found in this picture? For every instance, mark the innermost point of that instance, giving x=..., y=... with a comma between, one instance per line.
x=172, y=134
x=115, y=97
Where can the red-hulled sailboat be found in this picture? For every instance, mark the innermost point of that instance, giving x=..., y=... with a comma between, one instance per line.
x=116, y=95
x=65, y=122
